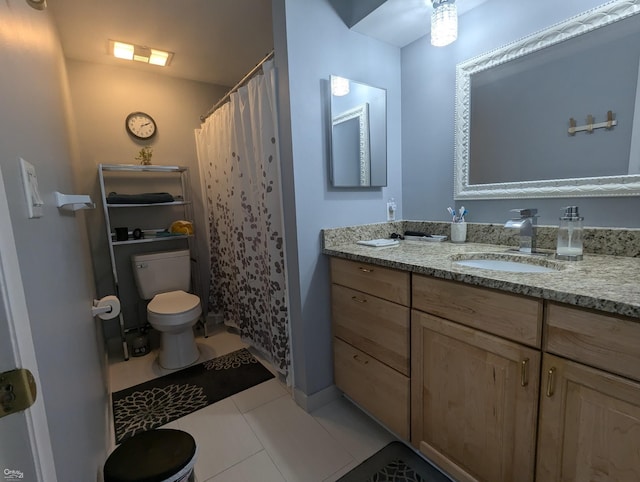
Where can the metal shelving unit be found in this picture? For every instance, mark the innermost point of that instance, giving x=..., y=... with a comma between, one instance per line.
x=151, y=235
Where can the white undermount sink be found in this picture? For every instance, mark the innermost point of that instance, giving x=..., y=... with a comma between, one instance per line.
x=504, y=262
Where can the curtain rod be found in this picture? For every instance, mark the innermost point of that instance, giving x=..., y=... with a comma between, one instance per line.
x=236, y=87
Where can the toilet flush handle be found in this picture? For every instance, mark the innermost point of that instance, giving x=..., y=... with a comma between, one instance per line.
x=141, y=265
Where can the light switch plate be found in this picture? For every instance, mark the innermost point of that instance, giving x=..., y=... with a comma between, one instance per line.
x=30, y=183
x=391, y=210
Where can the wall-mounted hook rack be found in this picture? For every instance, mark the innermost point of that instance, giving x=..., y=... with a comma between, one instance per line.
x=590, y=125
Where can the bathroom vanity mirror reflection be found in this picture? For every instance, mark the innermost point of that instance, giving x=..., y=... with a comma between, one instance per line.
x=516, y=105
x=358, y=134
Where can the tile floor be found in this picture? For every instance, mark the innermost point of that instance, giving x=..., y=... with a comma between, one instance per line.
x=261, y=434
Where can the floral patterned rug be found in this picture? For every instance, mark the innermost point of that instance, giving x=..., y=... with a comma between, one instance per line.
x=162, y=400
x=395, y=463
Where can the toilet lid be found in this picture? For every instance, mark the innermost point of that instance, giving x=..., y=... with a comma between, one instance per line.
x=151, y=456
x=173, y=302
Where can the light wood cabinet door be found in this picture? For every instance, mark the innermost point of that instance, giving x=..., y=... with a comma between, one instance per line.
x=474, y=400
x=589, y=425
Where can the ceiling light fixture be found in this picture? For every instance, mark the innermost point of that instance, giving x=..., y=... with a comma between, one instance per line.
x=444, y=22
x=339, y=86
x=126, y=51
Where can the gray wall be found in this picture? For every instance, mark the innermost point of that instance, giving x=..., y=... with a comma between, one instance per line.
x=312, y=43
x=53, y=252
x=102, y=97
x=428, y=94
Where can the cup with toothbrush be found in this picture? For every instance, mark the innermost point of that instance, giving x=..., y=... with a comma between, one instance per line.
x=458, y=225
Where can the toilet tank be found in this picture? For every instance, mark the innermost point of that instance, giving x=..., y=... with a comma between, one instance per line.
x=161, y=272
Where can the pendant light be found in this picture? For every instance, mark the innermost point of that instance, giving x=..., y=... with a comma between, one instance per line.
x=444, y=22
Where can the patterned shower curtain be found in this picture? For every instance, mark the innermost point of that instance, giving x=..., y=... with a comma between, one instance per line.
x=239, y=159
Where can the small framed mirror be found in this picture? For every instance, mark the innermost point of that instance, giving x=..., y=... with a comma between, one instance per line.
x=358, y=134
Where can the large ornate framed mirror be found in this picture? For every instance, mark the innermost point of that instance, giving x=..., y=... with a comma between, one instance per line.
x=358, y=134
x=516, y=107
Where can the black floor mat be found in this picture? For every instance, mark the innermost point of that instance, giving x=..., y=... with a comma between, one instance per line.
x=395, y=463
x=162, y=400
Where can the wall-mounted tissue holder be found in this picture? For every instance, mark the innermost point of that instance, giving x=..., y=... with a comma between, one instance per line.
x=74, y=202
x=106, y=308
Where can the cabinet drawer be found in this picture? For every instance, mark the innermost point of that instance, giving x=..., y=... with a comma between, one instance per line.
x=380, y=390
x=597, y=339
x=389, y=284
x=514, y=317
x=375, y=326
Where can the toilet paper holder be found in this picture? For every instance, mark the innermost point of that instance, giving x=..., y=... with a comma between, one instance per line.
x=98, y=310
x=106, y=308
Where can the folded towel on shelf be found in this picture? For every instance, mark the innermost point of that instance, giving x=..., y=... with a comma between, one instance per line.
x=143, y=198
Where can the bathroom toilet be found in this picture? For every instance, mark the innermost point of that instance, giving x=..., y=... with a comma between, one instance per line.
x=164, y=278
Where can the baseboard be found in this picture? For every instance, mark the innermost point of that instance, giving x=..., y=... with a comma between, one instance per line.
x=310, y=403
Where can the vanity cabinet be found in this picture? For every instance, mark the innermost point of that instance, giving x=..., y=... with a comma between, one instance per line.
x=475, y=391
x=370, y=321
x=589, y=426
x=498, y=386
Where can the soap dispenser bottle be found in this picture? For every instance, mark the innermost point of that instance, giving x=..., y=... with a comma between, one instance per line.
x=569, y=246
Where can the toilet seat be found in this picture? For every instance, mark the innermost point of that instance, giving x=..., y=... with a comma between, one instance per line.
x=173, y=308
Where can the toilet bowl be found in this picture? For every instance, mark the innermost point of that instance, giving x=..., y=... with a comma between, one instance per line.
x=173, y=314
x=163, y=278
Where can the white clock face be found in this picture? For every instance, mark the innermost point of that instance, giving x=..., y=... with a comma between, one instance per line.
x=141, y=125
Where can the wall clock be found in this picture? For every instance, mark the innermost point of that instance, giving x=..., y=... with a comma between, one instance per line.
x=140, y=125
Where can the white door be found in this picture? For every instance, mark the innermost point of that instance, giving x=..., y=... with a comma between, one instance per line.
x=25, y=446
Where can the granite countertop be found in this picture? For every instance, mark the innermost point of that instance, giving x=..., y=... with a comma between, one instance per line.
x=607, y=283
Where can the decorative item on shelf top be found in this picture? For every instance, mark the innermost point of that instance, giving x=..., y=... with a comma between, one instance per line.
x=181, y=227
x=144, y=155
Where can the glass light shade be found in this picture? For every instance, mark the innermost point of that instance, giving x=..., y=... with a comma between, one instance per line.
x=339, y=86
x=444, y=24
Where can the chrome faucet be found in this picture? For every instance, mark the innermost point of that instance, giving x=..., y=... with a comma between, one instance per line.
x=526, y=223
